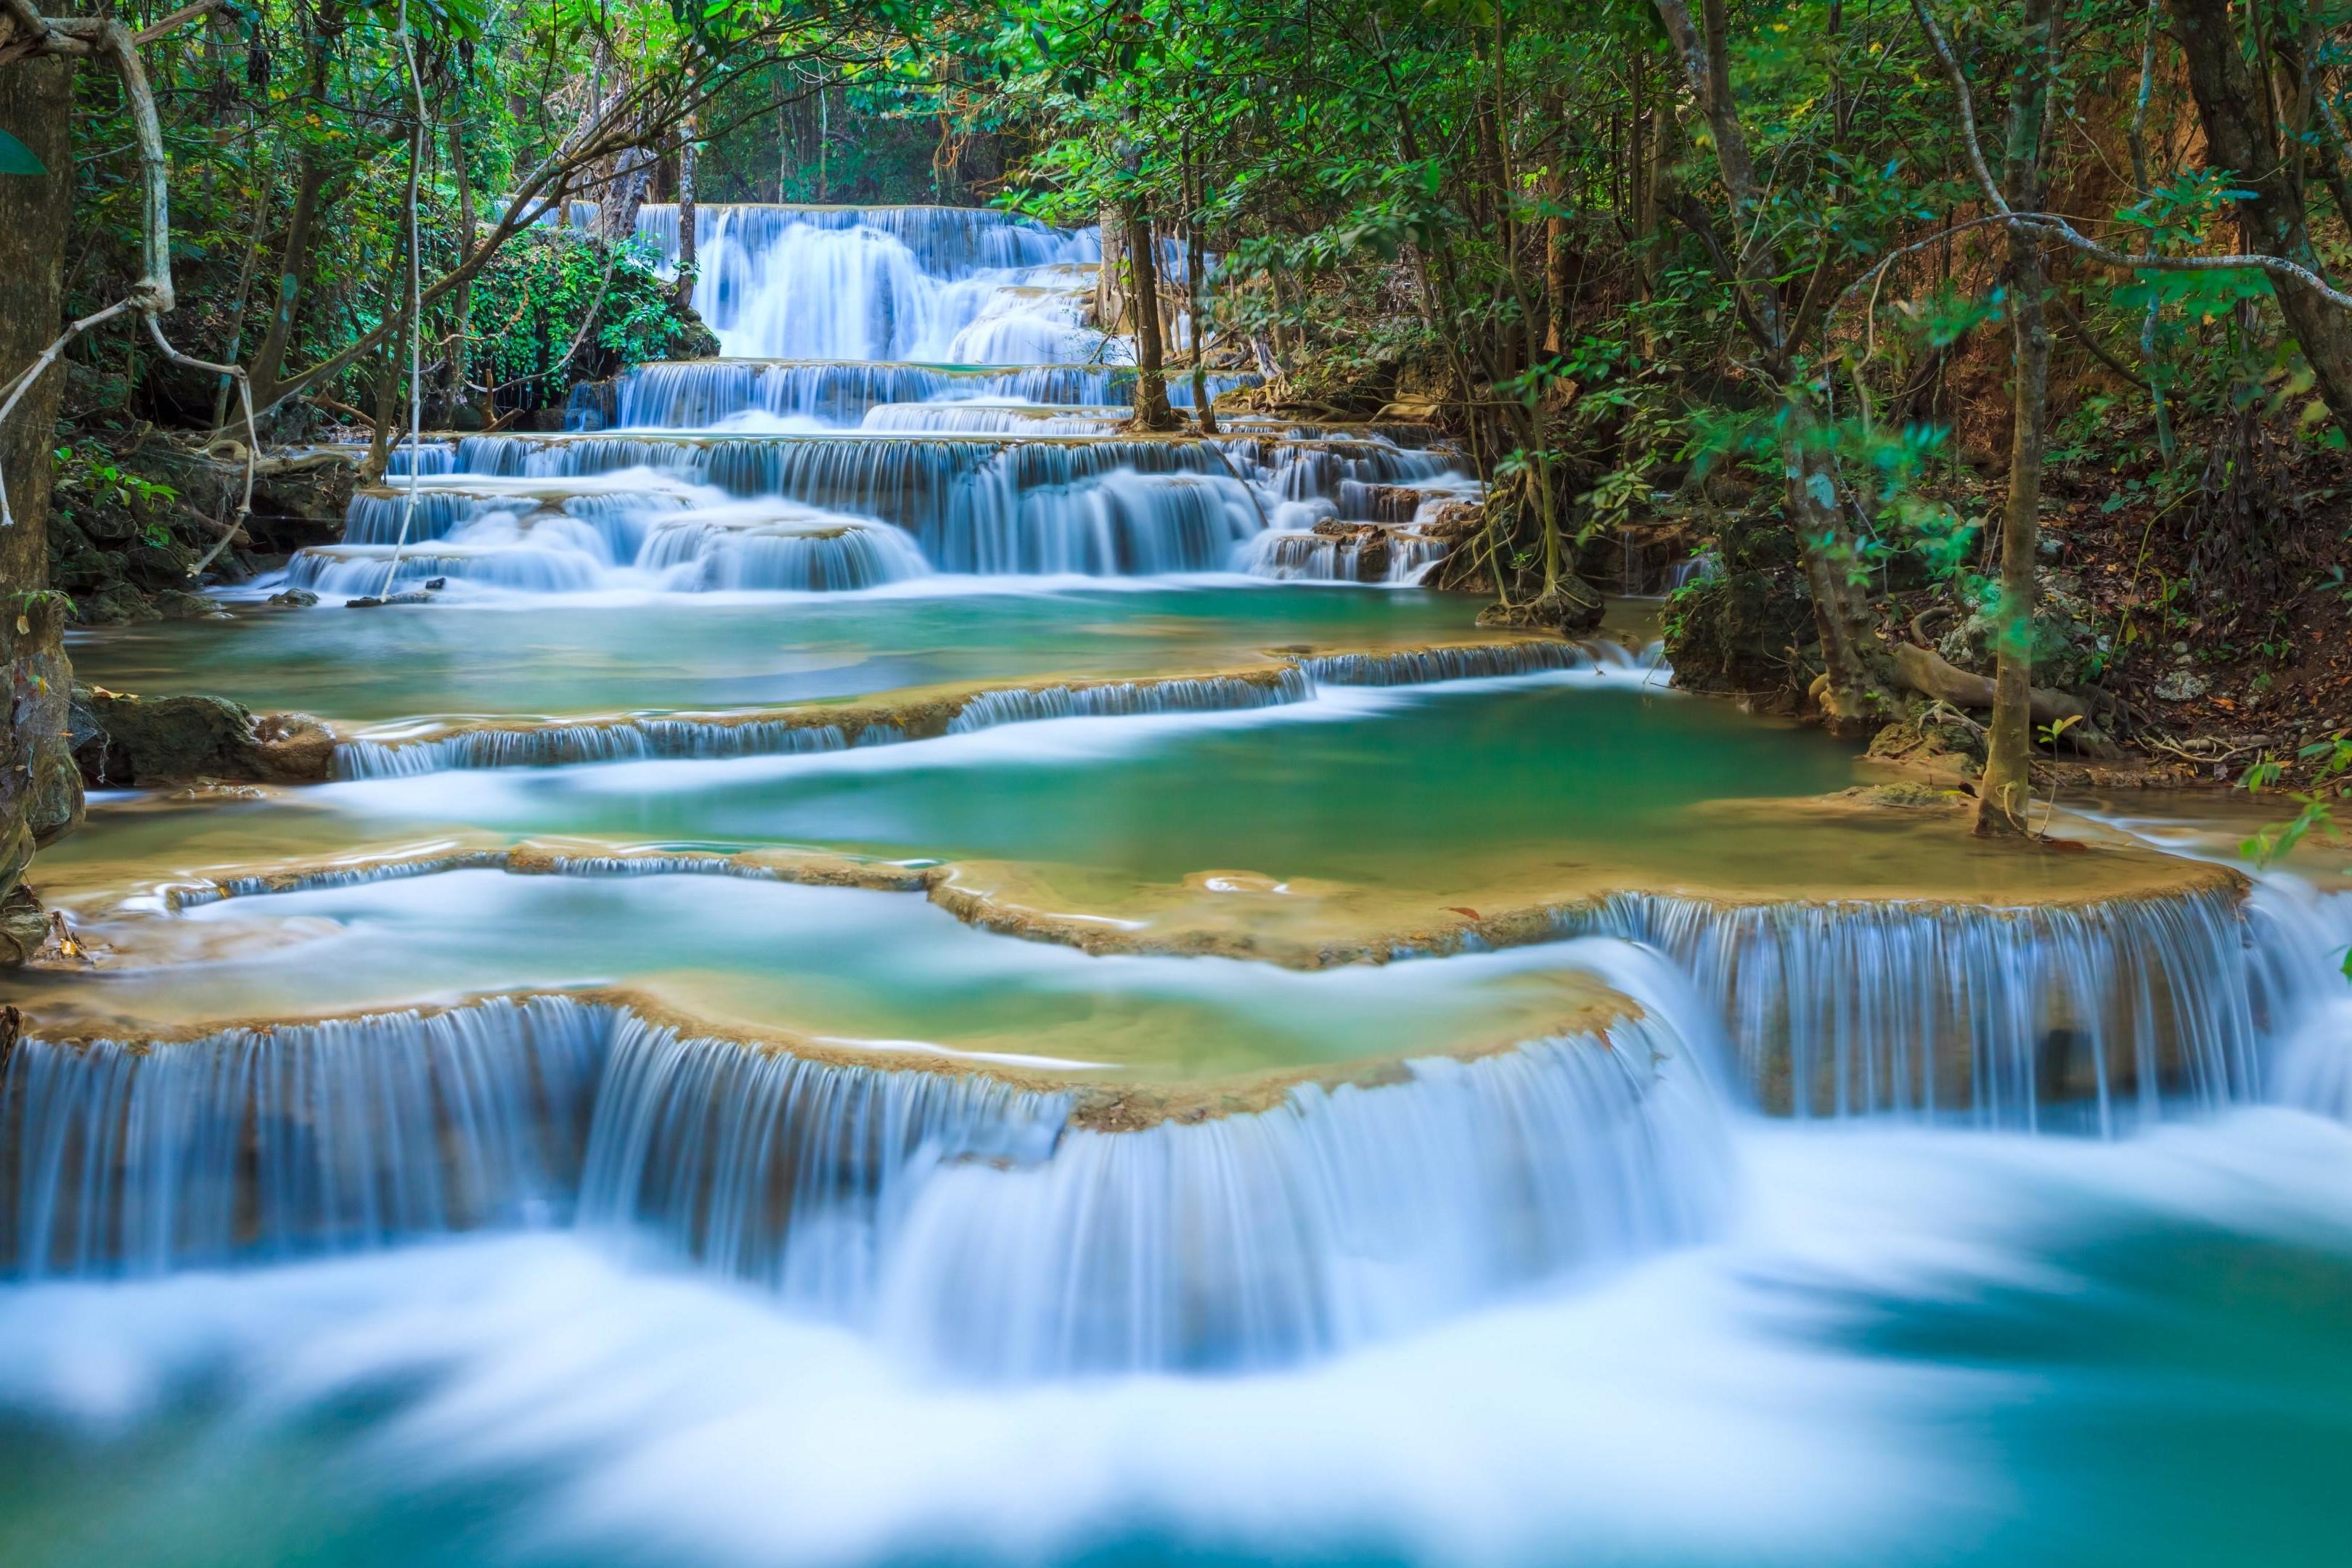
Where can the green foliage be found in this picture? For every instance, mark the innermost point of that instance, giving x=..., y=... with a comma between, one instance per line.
x=558, y=307
x=89, y=477
x=2330, y=786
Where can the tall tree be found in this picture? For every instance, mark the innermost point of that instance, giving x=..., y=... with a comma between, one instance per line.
x=2006, y=788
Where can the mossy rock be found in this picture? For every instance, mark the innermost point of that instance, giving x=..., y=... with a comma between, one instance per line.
x=124, y=741
x=118, y=604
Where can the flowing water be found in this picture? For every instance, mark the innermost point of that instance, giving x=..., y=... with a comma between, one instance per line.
x=889, y=974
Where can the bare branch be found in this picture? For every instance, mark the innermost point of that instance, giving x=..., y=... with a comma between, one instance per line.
x=2051, y=225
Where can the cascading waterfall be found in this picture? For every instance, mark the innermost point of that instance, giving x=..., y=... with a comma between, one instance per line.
x=885, y=283
x=1022, y=705
x=273, y=1142
x=1483, y=661
x=2000, y=1016
x=1332, y=1218
x=557, y=745
x=2300, y=996
x=986, y=1223
x=927, y=369
x=705, y=393
x=639, y=738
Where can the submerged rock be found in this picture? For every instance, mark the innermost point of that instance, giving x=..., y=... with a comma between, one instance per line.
x=124, y=740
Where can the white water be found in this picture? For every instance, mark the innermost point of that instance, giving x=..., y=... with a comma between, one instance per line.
x=909, y=391
x=1807, y=1391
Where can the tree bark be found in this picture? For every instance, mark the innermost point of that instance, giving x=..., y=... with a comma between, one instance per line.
x=686, y=215
x=1151, y=409
x=1110, y=295
x=2007, y=788
x=293, y=265
x=2271, y=218
x=1196, y=274
x=461, y=304
x=40, y=790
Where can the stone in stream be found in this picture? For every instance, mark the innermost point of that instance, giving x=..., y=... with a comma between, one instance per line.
x=121, y=741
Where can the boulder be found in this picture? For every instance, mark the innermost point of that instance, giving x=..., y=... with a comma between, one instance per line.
x=116, y=605
x=121, y=741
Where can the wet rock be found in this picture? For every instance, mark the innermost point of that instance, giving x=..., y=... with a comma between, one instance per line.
x=158, y=565
x=298, y=596
x=177, y=604
x=1911, y=795
x=24, y=928
x=116, y=605
x=294, y=747
x=123, y=742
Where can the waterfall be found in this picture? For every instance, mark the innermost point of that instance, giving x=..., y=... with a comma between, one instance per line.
x=695, y=395
x=793, y=1173
x=1999, y=1017
x=2302, y=993
x=1223, y=694
x=1422, y=666
x=929, y=370
x=1333, y=1217
x=999, y=1229
x=557, y=745
x=948, y=284
x=269, y=1142
x=639, y=738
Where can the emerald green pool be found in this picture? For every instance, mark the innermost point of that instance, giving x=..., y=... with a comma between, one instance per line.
x=673, y=652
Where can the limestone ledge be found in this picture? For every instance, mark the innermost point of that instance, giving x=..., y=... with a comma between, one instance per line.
x=1857, y=857
x=1094, y=1104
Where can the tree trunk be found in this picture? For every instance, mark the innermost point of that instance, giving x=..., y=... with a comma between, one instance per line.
x=1151, y=410
x=461, y=305
x=686, y=214
x=1196, y=274
x=2007, y=788
x=1110, y=295
x=617, y=217
x=293, y=264
x=40, y=790
x=1560, y=276
x=2237, y=123
x=1857, y=699
x=262, y=200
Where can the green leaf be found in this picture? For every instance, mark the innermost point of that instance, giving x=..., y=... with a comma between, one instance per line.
x=16, y=158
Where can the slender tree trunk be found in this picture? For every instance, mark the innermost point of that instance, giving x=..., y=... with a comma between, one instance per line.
x=262, y=201
x=2006, y=791
x=1110, y=294
x=686, y=214
x=40, y=791
x=2233, y=108
x=1196, y=278
x=1151, y=409
x=1559, y=278
x=632, y=171
x=394, y=360
x=293, y=265
x=461, y=306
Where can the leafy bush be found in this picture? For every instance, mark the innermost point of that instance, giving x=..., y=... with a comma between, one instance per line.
x=529, y=304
